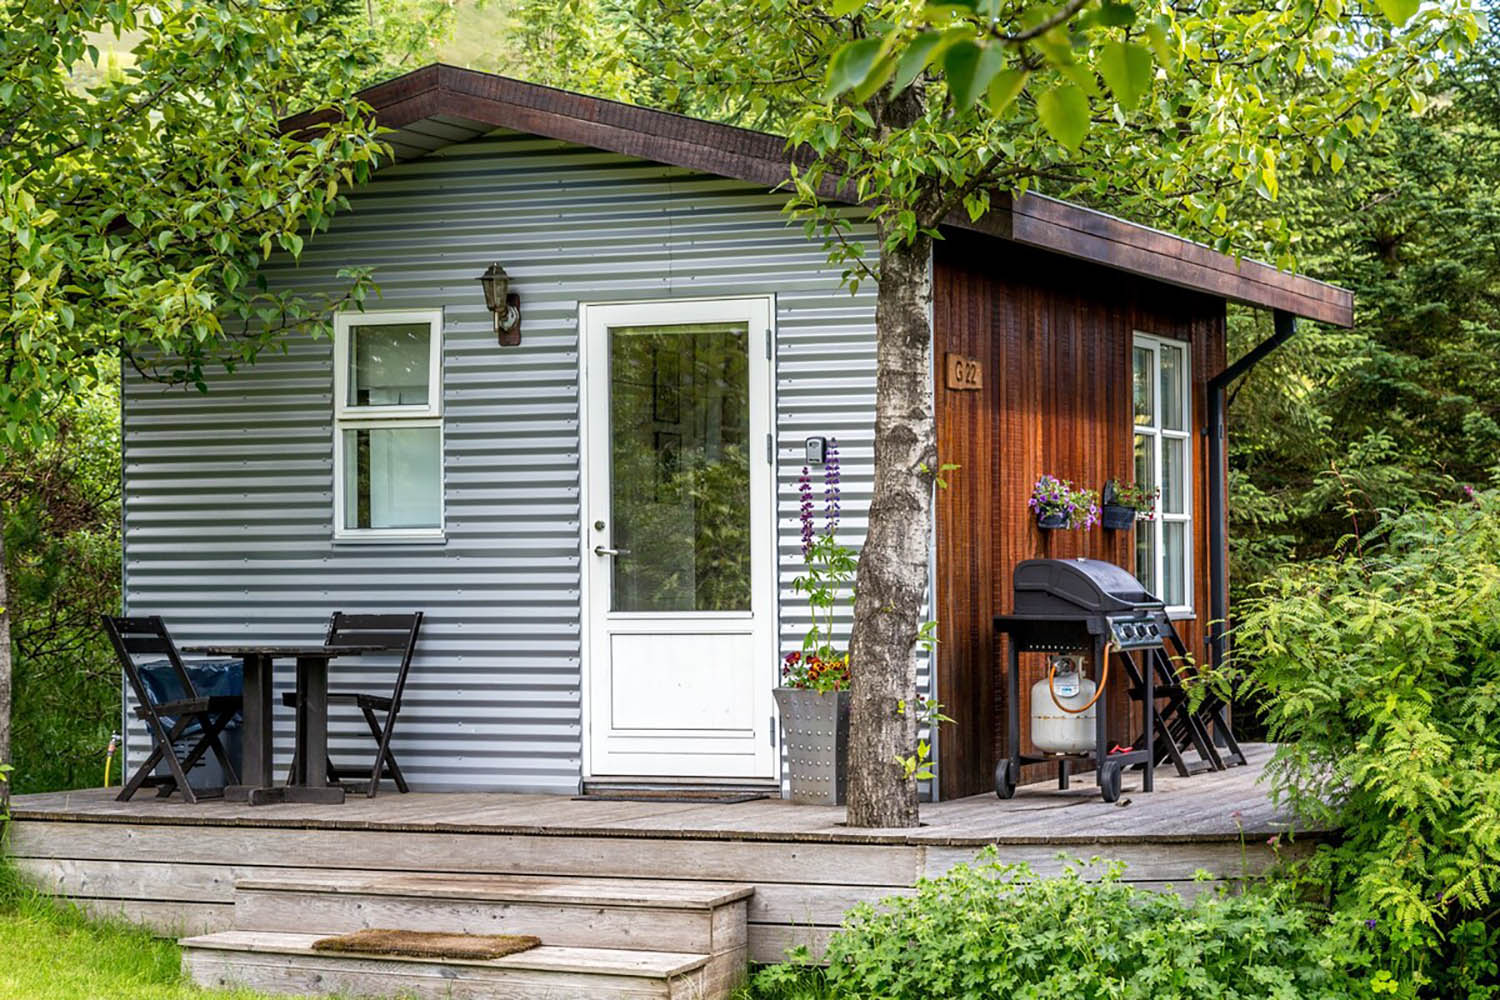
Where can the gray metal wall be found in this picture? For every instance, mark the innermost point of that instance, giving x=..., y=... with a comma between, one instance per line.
x=228, y=495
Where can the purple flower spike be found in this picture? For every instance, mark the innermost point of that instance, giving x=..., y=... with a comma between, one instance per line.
x=1371, y=923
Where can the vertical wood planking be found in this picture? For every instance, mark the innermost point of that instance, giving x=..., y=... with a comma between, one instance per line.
x=1054, y=336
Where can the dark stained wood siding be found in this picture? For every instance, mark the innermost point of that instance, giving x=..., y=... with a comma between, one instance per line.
x=1054, y=336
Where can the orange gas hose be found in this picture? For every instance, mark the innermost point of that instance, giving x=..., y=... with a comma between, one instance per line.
x=1103, y=680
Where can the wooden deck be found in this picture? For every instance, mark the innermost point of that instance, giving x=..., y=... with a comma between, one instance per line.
x=174, y=865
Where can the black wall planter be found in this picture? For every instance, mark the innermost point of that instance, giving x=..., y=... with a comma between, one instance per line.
x=1117, y=517
x=1051, y=521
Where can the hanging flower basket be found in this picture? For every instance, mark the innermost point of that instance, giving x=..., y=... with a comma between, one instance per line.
x=1058, y=504
x=1126, y=503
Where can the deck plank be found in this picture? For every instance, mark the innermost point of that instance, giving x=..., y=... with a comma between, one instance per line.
x=1225, y=805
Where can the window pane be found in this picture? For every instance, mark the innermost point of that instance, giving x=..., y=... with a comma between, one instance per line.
x=1145, y=461
x=1174, y=537
x=389, y=365
x=1145, y=554
x=1145, y=384
x=680, y=472
x=1172, y=363
x=392, y=477
x=1173, y=475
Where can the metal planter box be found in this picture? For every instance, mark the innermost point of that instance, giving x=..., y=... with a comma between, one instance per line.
x=815, y=725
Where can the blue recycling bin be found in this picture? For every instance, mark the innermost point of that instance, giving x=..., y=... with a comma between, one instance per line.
x=209, y=677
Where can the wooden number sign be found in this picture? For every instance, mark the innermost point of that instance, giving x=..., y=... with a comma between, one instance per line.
x=965, y=373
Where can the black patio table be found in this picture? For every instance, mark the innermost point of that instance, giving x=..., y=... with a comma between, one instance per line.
x=308, y=781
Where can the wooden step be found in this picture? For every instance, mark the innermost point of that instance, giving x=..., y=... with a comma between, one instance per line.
x=647, y=915
x=284, y=963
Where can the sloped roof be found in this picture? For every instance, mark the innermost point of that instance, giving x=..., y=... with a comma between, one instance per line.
x=438, y=105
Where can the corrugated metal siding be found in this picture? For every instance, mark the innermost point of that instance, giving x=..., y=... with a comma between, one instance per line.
x=228, y=495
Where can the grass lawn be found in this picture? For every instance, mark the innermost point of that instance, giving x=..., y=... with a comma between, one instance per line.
x=49, y=951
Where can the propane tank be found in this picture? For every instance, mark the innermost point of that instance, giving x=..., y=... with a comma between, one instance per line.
x=1052, y=729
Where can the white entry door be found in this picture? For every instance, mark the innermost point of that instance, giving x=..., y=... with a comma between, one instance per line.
x=679, y=557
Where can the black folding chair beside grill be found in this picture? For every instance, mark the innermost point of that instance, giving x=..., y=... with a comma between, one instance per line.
x=170, y=720
x=397, y=633
x=1180, y=729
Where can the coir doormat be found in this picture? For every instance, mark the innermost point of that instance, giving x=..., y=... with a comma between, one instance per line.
x=428, y=944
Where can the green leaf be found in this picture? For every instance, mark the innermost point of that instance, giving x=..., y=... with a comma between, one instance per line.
x=840, y=8
x=970, y=68
x=1160, y=43
x=1398, y=11
x=1115, y=15
x=1126, y=67
x=850, y=65
x=1005, y=88
x=875, y=80
x=914, y=59
x=1083, y=76
x=1064, y=113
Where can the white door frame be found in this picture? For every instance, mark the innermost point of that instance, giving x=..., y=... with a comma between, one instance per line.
x=759, y=312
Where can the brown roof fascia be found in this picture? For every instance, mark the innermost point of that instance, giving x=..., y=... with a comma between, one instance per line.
x=761, y=158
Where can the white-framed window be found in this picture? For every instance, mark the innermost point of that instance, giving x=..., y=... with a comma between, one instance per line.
x=1162, y=380
x=388, y=425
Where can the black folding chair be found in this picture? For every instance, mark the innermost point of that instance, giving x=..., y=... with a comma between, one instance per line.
x=397, y=633
x=170, y=719
x=1180, y=729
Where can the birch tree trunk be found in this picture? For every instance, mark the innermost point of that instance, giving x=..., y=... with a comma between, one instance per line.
x=891, y=582
x=5, y=668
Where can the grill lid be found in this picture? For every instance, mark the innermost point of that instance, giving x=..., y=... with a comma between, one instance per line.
x=1068, y=586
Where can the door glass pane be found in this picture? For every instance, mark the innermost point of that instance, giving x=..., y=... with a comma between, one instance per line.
x=389, y=364
x=1174, y=537
x=1145, y=386
x=392, y=477
x=1173, y=475
x=1172, y=416
x=680, y=467
x=1145, y=554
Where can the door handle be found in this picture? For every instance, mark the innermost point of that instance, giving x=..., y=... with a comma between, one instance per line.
x=600, y=550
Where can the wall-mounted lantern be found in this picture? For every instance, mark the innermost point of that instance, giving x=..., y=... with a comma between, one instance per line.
x=504, y=305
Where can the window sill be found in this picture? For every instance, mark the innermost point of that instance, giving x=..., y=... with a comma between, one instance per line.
x=395, y=538
x=1181, y=614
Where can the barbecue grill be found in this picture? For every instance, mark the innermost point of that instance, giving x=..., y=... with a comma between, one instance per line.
x=1114, y=602
x=1090, y=606
x=1081, y=606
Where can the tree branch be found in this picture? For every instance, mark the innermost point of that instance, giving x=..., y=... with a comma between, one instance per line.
x=1020, y=37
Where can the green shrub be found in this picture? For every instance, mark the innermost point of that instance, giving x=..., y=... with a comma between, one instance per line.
x=989, y=930
x=1379, y=670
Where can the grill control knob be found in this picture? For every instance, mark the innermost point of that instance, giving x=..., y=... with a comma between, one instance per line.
x=1153, y=629
x=1127, y=631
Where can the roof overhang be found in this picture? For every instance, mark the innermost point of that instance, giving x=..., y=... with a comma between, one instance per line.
x=438, y=105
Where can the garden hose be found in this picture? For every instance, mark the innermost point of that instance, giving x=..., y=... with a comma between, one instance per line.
x=109, y=756
x=1103, y=680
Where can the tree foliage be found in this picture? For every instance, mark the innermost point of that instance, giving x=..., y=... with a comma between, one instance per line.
x=134, y=210
x=1406, y=405
x=60, y=514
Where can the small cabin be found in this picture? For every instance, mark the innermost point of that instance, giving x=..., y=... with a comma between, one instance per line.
x=599, y=516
